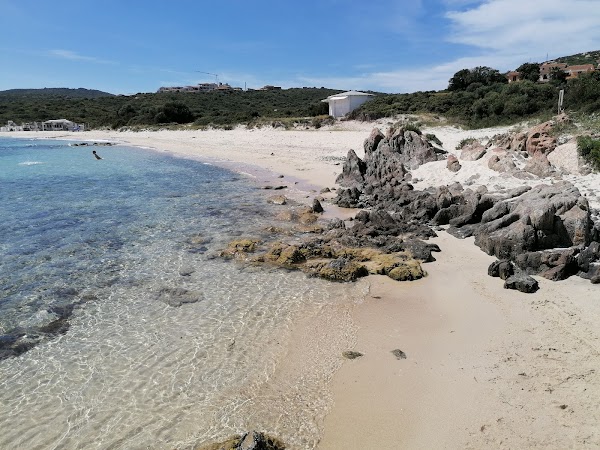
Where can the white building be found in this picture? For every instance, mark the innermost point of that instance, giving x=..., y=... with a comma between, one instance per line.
x=342, y=104
x=61, y=125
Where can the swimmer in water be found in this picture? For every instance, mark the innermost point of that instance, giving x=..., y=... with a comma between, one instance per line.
x=96, y=154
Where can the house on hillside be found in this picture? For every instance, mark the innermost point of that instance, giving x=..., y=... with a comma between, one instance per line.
x=574, y=71
x=513, y=76
x=346, y=102
x=546, y=69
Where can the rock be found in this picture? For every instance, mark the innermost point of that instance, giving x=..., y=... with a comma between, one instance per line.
x=472, y=152
x=588, y=261
x=341, y=269
x=353, y=171
x=539, y=139
x=186, y=271
x=539, y=165
x=503, y=269
x=408, y=271
x=325, y=190
x=502, y=163
x=521, y=282
x=177, y=296
x=239, y=248
x=547, y=216
x=555, y=264
x=452, y=164
x=277, y=200
x=252, y=440
x=317, y=207
x=399, y=354
x=348, y=198
x=284, y=255
x=349, y=354
x=278, y=188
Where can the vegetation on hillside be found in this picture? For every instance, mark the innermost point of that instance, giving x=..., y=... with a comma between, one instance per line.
x=53, y=92
x=592, y=57
x=216, y=108
x=589, y=150
x=478, y=105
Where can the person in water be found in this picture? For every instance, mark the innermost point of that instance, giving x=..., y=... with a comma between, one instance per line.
x=96, y=154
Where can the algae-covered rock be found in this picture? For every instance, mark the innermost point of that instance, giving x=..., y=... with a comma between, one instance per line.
x=407, y=271
x=285, y=255
x=252, y=440
x=239, y=247
x=342, y=269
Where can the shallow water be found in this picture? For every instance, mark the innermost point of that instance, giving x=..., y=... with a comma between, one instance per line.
x=103, y=245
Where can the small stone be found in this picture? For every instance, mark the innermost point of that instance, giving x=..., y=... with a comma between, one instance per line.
x=280, y=176
x=278, y=188
x=349, y=354
x=399, y=354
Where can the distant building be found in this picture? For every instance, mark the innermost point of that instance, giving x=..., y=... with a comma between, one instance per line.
x=345, y=102
x=61, y=125
x=201, y=87
x=268, y=87
x=513, y=76
x=546, y=69
x=49, y=125
x=575, y=71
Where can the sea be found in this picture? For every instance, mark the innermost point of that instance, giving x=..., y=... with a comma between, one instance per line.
x=120, y=328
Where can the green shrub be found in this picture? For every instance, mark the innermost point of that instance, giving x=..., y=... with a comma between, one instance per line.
x=589, y=149
x=412, y=127
x=465, y=142
x=433, y=138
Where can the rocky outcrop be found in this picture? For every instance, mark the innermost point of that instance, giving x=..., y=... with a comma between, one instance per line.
x=353, y=171
x=545, y=217
x=539, y=139
x=387, y=159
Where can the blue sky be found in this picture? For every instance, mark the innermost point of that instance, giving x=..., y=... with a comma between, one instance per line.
x=131, y=46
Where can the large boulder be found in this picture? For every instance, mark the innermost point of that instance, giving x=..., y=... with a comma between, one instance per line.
x=545, y=217
x=540, y=140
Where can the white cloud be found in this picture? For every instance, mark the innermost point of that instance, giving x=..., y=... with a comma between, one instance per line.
x=73, y=56
x=501, y=34
x=517, y=27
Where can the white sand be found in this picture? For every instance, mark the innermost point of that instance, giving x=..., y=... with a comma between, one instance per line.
x=486, y=367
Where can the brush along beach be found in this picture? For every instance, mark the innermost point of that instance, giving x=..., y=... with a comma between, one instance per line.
x=360, y=285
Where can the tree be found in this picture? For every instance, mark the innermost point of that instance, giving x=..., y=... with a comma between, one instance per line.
x=482, y=74
x=558, y=75
x=529, y=71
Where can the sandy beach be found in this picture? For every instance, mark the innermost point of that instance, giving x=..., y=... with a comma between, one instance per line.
x=485, y=367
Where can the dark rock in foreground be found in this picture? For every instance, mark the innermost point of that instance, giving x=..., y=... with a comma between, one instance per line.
x=521, y=282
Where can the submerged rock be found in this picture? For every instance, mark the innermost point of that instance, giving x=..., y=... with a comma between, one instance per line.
x=177, y=296
x=252, y=440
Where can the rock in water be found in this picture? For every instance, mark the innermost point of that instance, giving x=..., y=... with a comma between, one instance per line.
x=317, y=207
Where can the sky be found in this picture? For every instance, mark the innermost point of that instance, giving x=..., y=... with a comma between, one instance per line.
x=396, y=46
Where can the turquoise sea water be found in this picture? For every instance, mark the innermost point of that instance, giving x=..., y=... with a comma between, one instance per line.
x=93, y=257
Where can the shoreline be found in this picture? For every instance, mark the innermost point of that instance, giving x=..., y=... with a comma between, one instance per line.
x=485, y=366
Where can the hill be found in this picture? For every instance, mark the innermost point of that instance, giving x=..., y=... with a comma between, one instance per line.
x=217, y=108
x=592, y=57
x=55, y=92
